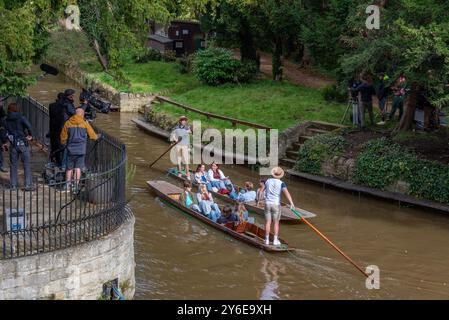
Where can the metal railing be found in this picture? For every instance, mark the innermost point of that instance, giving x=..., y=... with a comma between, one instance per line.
x=53, y=216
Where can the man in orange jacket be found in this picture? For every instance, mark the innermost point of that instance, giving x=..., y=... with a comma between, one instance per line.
x=74, y=136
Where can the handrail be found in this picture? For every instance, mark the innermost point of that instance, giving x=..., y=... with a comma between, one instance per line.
x=212, y=115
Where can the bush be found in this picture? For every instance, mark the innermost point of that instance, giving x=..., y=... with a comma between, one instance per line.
x=185, y=64
x=169, y=56
x=383, y=162
x=334, y=93
x=150, y=55
x=318, y=149
x=216, y=66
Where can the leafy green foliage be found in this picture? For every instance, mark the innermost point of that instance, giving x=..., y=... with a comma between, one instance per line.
x=334, y=93
x=24, y=28
x=382, y=163
x=318, y=149
x=185, y=64
x=216, y=66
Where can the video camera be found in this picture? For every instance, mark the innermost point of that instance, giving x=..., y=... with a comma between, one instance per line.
x=103, y=107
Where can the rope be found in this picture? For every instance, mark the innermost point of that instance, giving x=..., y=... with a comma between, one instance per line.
x=118, y=293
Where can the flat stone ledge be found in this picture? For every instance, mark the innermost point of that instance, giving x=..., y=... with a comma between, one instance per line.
x=386, y=195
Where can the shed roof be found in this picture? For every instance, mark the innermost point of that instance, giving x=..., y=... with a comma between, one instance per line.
x=160, y=38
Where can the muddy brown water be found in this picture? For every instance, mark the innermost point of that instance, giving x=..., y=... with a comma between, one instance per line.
x=178, y=257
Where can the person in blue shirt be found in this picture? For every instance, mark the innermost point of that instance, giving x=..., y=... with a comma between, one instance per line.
x=228, y=215
x=188, y=199
x=206, y=203
x=246, y=194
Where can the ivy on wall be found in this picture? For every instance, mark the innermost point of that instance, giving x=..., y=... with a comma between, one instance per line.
x=317, y=150
x=380, y=163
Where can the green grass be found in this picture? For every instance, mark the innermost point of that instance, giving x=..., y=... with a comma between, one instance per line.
x=154, y=77
x=278, y=105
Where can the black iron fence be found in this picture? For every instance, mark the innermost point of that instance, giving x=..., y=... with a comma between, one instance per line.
x=54, y=215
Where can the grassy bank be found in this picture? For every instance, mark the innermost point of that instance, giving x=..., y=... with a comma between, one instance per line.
x=278, y=105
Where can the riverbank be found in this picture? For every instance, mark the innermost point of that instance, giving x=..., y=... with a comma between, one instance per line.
x=396, y=167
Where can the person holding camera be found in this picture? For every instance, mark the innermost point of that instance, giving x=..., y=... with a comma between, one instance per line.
x=19, y=134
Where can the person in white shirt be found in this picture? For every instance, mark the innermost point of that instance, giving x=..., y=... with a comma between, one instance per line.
x=201, y=177
x=219, y=180
x=181, y=135
x=274, y=187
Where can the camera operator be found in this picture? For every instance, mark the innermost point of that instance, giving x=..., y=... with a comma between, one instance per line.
x=89, y=113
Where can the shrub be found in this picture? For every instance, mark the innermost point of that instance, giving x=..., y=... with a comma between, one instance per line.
x=216, y=66
x=334, y=93
x=169, y=56
x=317, y=150
x=185, y=64
x=149, y=55
x=383, y=162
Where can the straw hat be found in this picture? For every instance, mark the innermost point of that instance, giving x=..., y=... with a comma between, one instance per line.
x=182, y=118
x=277, y=172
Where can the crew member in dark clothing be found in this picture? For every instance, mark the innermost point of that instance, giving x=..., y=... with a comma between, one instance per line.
x=382, y=93
x=429, y=111
x=19, y=134
x=2, y=134
x=68, y=104
x=57, y=116
x=367, y=91
x=89, y=113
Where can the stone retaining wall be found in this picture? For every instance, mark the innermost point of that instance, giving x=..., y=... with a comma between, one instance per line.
x=127, y=102
x=77, y=272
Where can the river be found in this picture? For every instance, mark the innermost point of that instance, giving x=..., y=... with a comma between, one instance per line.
x=178, y=257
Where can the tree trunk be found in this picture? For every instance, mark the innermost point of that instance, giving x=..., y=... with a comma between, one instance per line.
x=103, y=60
x=410, y=107
x=248, y=50
x=277, y=60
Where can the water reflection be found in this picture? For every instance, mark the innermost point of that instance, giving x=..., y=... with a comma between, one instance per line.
x=271, y=271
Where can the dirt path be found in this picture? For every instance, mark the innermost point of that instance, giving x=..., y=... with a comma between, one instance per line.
x=293, y=72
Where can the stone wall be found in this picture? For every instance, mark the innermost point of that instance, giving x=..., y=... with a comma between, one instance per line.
x=127, y=102
x=289, y=136
x=77, y=272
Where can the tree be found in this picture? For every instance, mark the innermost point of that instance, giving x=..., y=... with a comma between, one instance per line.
x=413, y=39
x=25, y=25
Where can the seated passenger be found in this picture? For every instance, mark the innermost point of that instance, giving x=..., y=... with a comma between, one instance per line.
x=241, y=212
x=260, y=194
x=247, y=194
x=201, y=177
x=207, y=205
x=219, y=180
x=228, y=216
x=187, y=198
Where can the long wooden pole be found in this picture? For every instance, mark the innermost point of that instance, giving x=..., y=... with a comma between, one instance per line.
x=171, y=147
x=331, y=243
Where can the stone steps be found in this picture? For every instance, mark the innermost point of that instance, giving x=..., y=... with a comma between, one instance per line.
x=313, y=129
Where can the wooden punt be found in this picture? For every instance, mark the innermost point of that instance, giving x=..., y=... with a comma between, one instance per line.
x=247, y=232
x=287, y=216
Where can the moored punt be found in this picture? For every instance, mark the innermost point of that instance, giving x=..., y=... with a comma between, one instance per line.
x=287, y=216
x=246, y=232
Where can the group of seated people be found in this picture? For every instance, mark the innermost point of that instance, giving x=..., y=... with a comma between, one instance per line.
x=214, y=180
x=203, y=203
